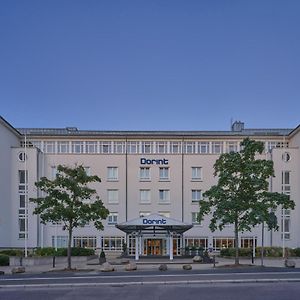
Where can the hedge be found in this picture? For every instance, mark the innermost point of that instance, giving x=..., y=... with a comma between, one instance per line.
x=49, y=251
x=4, y=260
x=12, y=252
x=268, y=252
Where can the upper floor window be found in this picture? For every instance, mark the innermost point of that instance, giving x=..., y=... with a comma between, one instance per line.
x=112, y=173
x=195, y=216
x=189, y=147
x=161, y=147
x=144, y=173
x=175, y=147
x=112, y=218
x=147, y=147
x=164, y=196
x=119, y=147
x=196, y=195
x=145, y=196
x=217, y=147
x=231, y=147
x=62, y=147
x=91, y=147
x=49, y=147
x=112, y=196
x=105, y=147
x=203, y=147
x=196, y=173
x=77, y=147
x=133, y=147
x=164, y=173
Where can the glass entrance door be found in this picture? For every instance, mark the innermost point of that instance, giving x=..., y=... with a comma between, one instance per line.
x=153, y=246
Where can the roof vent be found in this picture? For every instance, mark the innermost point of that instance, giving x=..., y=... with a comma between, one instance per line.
x=237, y=126
x=72, y=129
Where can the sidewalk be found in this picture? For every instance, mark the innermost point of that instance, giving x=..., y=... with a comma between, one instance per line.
x=152, y=264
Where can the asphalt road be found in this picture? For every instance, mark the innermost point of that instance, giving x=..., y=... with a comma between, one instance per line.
x=258, y=291
x=90, y=279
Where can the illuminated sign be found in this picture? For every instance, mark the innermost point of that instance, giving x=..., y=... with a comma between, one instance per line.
x=145, y=161
x=154, y=221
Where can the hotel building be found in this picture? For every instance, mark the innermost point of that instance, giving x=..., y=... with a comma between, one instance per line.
x=148, y=178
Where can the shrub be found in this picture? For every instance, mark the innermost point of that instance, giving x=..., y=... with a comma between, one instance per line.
x=295, y=252
x=12, y=252
x=4, y=260
x=47, y=251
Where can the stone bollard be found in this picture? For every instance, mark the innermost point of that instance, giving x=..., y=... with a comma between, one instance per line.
x=187, y=267
x=17, y=270
x=131, y=266
x=163, y=267
x=107, y=267
x=289, y=263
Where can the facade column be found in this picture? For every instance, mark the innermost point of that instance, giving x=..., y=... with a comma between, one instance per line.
x=136, y=247
x=171, y=246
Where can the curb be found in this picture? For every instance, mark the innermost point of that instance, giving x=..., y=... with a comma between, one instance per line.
x=132, y=283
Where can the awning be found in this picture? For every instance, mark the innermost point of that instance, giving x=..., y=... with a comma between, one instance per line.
x=154, y=223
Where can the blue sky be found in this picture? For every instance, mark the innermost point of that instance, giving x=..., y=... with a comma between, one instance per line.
x=150, y=65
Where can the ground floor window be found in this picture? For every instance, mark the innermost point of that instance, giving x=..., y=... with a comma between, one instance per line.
x=60, y=241
x=85, y=241
x=112, y=243
x=247, y=242
x=196, y=242
x=223, y=242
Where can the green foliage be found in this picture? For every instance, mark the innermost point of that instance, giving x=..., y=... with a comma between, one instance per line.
x=70, y=200
x=295, y=252
x=4, y=260
x=241, y=196
x=102, y=254
x=12, y=252
x=230, y=252
x=49, y=251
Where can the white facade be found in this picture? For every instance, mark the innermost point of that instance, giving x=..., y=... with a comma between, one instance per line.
x=142, y=173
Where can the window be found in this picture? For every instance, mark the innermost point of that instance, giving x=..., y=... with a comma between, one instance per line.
x=21, y=156
x=145, y=196
x=285, y=177
x=91, y=147
x=247, y=242
x=161, y=147
x=217, y=147
x=113, y=196
x=49, y=147
x=87, y=171
x=197, y=242
x=105, y=147
x=196, y=173
x=22, y=201
x=37, y=144
x=77, y=147
x=133, y=147
x=231, y=147
x=203, y=147
x=163, y=173
x=53, y=172
x=196, y=195
x=61, y=241
x=112, y=173
x=62, y=147
x=112, y=218
x=144, y=213
x=147, y=147
x=195, y=216
x=224, y=242
x=165, y=214
x=112, y=243
x=189, y=147
x=175, y=147
x=23, y=180
x=85, y=242
x=144, y=173
x=285, y=224
x=164, y=196
x=119, y=147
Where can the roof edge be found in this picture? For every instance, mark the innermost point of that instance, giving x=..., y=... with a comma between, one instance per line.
x=10, y=127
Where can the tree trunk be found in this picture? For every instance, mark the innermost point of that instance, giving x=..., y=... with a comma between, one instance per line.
x=69, y=248
x=236, y=238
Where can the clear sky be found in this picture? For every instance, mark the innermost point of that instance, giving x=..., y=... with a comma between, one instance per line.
x=150, y=64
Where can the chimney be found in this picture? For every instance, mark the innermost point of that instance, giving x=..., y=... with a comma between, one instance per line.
x=237, y=126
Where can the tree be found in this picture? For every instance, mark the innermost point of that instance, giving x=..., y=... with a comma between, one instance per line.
x=241, y=196
x=69, y=200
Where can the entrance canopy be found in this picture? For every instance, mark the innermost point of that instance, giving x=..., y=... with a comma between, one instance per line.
x=154, y=223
